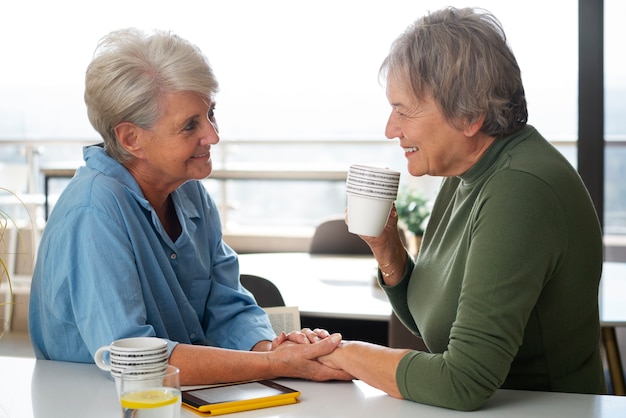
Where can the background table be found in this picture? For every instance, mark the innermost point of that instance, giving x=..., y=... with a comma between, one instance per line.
x=338, y=293
x=50, y=389
x=325, y=286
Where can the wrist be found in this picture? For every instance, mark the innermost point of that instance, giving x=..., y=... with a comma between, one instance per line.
x=393, y=264
x=275, y=366
x=387, y=270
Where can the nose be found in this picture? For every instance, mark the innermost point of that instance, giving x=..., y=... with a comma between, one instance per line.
x=392, y=129
x=211, y=134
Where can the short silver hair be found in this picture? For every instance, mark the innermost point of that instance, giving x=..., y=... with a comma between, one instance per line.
x=461, y=58
x=130, y=71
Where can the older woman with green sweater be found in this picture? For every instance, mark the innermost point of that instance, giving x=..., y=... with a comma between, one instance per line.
x=504, y=290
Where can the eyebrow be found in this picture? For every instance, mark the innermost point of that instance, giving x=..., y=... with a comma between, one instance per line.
x=209, y=103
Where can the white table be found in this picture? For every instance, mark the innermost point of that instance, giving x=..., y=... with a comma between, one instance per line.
x=51, y=389
x=323, y=286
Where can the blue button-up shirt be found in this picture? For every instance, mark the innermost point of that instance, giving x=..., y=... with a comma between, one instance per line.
x=106, y=269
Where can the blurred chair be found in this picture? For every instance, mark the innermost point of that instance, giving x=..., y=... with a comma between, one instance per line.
x=332, y=237
x=264, y=291
x=401, y=337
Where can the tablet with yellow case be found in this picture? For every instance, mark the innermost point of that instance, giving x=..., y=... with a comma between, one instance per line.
x=236, y=397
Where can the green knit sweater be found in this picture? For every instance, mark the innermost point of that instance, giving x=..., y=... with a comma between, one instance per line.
x=505, y=288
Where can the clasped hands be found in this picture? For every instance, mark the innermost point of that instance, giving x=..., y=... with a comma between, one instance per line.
x=313, y=345
x=304, y=336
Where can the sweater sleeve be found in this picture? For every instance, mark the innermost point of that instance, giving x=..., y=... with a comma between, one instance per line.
x=515, y=235
x=397, y=296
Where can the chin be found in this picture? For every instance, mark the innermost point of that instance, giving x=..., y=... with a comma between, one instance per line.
x=200, y=174
x=416, y=171
x=205, y=174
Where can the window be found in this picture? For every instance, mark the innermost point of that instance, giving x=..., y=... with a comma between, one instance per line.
x=289, y=71
x=615, y=122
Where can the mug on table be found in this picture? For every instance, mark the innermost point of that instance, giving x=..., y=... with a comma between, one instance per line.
x=148, y=354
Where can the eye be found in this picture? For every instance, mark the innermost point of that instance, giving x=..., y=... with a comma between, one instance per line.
x=396, y=109
x=211, y=114
x=191, y=125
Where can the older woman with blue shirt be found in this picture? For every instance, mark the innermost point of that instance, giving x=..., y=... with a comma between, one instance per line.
x=134, y=245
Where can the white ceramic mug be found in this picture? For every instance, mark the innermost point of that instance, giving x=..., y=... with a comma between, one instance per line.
x=136, y=352
x=370, y=192
x=367, y=215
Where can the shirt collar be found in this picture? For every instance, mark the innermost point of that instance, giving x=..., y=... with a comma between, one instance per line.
x=98, y=159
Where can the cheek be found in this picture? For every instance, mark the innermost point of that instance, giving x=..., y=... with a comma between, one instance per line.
x=174, y=159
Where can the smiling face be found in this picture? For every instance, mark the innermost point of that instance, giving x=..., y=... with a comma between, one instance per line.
x=432, y=145
x=177, y=148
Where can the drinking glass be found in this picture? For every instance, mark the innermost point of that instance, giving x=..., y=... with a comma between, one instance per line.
x=148, y=394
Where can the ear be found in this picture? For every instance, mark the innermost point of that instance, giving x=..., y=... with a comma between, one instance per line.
x=128, y=135
x=472, y=128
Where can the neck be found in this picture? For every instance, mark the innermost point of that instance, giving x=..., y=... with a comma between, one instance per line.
x=158, y=194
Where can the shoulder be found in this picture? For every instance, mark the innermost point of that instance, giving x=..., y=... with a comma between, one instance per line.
x=534, y=155
x=534, y=166
x=93, y=198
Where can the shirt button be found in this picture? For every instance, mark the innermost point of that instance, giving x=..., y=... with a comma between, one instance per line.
x=192, y=336
x=173, y=256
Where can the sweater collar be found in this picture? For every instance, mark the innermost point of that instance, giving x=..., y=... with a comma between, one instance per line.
x=500, y=146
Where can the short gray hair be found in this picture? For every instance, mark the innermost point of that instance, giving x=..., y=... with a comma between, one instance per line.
x=461, y=58
x=131, y=70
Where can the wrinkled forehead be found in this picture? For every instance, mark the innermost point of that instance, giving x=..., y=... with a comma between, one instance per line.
x=401, y=78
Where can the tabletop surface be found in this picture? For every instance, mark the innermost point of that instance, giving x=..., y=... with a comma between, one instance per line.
x=345, y=287
x=52, y=389
x=613, y=294
x=325, y=286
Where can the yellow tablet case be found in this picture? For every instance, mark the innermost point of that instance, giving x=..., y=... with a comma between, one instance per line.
x=289, y=396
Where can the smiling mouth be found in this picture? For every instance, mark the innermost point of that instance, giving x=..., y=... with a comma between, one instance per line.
x=411, y=149
x=201, y=155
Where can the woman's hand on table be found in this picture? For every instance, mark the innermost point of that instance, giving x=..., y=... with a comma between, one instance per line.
x=304, y=336
x=293, y=359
